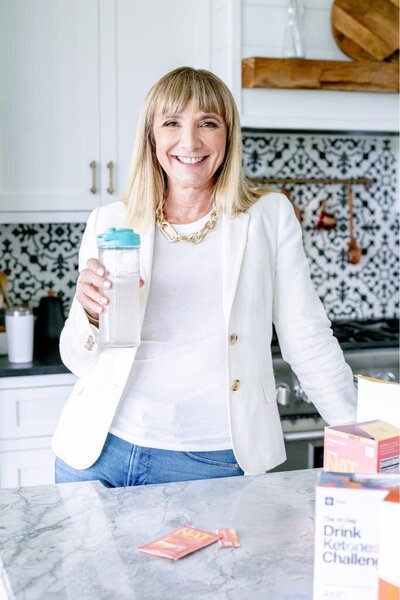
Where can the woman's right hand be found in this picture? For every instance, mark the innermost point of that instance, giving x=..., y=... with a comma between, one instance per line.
x=91, y=286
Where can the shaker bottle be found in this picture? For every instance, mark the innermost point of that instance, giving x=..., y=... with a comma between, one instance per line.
x=19, y=330
x=119, y=324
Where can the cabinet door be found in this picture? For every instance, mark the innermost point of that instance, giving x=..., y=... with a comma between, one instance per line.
x=31, y=411
x=151, y=38
x=31, y=466
x=49, y=98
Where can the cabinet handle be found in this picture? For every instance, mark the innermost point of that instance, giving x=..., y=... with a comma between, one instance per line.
x=93, y=166
x=110, y=166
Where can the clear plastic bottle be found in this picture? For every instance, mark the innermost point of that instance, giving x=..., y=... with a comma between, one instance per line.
x=293, y=38
x=119, y=254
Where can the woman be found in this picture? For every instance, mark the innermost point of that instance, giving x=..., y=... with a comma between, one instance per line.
x=221, y=261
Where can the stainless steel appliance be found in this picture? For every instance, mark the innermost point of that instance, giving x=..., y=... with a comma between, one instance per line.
x=371, y=347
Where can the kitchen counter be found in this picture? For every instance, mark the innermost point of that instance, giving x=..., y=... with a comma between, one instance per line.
x=48, y=364
x=79, y=540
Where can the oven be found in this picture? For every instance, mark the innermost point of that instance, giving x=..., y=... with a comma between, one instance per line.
x=370, y=348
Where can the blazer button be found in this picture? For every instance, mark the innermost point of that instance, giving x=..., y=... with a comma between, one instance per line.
x=233, y=338
x=235, y=385
x=89, y=345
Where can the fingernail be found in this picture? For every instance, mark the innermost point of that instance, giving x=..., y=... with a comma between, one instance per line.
x=104, y=300
x=107, y=285
x=99, y=309
x=100, y=272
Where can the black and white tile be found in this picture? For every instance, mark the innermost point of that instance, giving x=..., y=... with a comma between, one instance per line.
x=39, y=258
x=43, y=257
x=369, y=289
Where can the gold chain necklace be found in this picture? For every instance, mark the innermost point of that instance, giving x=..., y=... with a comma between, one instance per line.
x=170, y=233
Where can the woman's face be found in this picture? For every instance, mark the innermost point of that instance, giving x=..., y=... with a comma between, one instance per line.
x=190, y=146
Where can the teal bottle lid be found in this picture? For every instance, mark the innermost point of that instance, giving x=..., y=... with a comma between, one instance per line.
x=118, y=237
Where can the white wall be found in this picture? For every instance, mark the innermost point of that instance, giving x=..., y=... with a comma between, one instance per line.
x=245, y=28
x=264, y=23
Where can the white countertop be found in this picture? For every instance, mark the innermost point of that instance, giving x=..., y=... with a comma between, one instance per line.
x=79, y=540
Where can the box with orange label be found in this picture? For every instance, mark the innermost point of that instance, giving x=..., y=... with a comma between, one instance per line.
x=356, y=546
x=370, y=447
x=389, y=547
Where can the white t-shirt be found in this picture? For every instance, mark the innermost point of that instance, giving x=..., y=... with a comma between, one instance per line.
x=175, y=398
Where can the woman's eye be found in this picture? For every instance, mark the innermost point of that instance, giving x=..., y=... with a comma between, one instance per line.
x=170, y=123
x=209, y=124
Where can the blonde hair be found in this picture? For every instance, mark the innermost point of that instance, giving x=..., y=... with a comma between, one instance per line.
x=147, y=182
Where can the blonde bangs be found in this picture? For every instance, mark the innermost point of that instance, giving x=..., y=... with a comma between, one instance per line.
x=174, y=92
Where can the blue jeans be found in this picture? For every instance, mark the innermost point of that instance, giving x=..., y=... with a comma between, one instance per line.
x=123, y=464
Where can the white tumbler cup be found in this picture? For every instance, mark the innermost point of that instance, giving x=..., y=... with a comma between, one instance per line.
x=19, y=330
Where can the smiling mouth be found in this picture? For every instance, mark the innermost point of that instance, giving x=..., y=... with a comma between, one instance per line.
x=190, y=160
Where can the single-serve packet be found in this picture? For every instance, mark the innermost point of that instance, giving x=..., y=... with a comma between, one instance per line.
x=180, y=542
x=228, y=538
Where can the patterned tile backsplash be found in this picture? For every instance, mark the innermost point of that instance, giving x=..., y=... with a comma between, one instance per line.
x=38, y=258
x=369, y=289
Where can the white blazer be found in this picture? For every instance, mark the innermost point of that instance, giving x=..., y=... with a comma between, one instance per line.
x=266, y=280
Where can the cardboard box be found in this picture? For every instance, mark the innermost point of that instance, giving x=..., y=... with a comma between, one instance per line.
x=370, y=447
x=378, y=399
x=389, y=547
x=347, y=533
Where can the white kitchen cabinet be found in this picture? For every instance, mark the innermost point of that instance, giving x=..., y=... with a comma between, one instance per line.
x=27, y=466
x=49, y=107
x=74, y=76
x=29, y=410
x=141, y=42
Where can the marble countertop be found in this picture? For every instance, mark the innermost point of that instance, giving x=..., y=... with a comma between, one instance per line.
x=79, y=540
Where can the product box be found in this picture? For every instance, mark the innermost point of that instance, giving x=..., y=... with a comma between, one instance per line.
x=370, y=447
x=378, y=399
x=389, y=547
x=347, y=534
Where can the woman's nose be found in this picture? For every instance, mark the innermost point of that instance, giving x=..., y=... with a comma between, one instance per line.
x=189, y=138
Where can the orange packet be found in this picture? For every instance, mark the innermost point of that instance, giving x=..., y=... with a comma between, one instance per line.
x=228, y=538
x=180, y=542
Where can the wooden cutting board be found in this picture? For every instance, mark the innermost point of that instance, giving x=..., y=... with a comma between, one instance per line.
x=366, y=29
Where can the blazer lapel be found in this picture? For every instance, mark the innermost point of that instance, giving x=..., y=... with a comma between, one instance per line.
x=234, y=236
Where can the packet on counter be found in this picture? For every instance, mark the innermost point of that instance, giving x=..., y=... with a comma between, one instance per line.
x=228, y=538
x=180, y=542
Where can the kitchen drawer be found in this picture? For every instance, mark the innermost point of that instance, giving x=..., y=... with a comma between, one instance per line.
x=31, y=411
x=33, y=466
